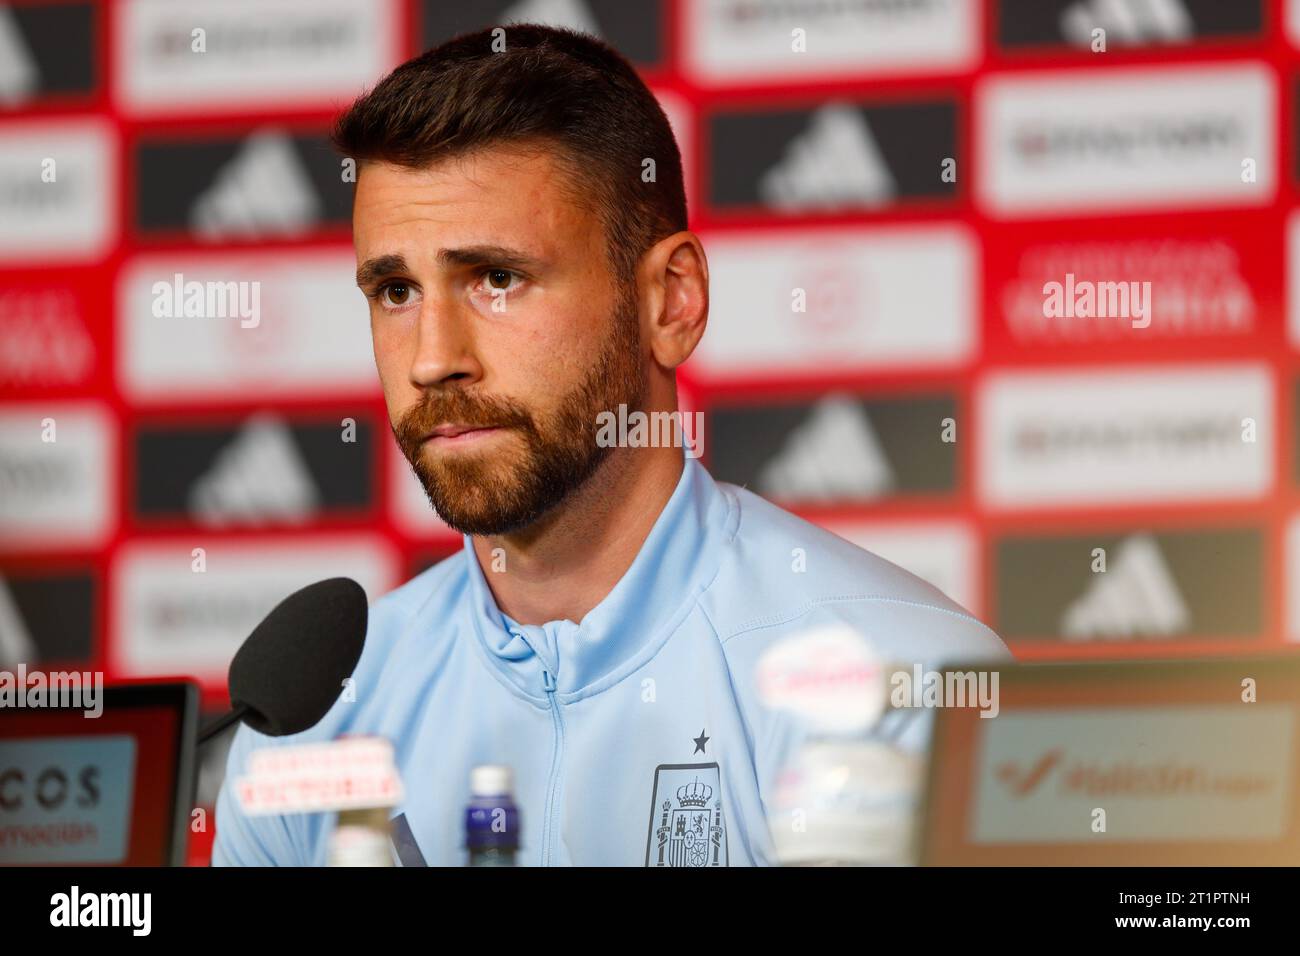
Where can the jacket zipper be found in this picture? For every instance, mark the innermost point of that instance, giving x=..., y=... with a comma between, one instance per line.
x=552, y=809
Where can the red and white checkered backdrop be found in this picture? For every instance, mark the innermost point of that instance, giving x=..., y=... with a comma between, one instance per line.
x=886, y=190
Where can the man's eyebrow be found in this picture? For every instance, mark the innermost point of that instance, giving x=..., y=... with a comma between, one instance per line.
x=380, y=267
x=500, y=256
x=372, y=270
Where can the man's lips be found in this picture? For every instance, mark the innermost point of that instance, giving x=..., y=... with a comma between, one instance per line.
x=456, y=434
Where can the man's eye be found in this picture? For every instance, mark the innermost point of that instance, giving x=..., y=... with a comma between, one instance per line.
x=395, y=293
x=499, y=278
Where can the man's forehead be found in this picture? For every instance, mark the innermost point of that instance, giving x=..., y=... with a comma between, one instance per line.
x=506, y=195
x=523, y=174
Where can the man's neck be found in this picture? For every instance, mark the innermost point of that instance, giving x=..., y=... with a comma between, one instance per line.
x=565, y=564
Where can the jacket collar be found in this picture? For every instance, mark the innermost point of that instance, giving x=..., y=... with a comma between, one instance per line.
x=676, y=562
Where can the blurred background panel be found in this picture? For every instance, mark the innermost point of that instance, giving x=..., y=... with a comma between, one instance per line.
x=1002, y=291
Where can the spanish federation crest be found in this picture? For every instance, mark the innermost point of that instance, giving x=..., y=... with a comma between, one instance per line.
x=686, y=825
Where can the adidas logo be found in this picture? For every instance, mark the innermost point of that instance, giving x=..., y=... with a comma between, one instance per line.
x=835, y=163
x=45, y=341
x=16, y=644
x=1129, y=21
x=1137, y=596
x=19, y=77
x=258, y=477
x=265, y=190
x=571, y=14
x=833, y=455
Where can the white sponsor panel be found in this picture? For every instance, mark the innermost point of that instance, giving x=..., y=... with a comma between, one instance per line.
x=731, y=41
x=60, y=493
x=1125, y=436
x=1096, y=141
x=257, y=54
x=58, y=188
x=1162, y=774
x=312, y=336
x=1123, y=290
x=348, y=774
x=46, y=342
x=871, y=298
x=170, y=618
x=942, y=553
x=1292, y=17
x=411, y=510
x=85, y=819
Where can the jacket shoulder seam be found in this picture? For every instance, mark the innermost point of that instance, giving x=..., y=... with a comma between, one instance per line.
x=775, y=620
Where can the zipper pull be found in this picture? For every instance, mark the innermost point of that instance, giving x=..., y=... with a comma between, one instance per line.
x=548, y=682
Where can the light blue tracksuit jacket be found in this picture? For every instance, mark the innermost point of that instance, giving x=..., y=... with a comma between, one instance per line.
x=613, y=727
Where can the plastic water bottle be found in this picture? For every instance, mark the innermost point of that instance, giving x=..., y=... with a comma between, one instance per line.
x=361, y=838
x=491, y=819
x=847, y=802
x=846, y=796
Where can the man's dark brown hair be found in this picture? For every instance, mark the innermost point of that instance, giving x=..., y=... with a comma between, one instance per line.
x=551, y=87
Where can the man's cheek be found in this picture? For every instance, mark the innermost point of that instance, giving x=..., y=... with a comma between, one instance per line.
x=394, y=368
x=399, y=397
x=392, y=398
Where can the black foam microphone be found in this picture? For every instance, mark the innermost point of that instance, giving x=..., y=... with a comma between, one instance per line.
x=290, y=670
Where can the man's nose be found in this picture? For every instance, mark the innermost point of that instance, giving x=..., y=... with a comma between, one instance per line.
x=444, y=349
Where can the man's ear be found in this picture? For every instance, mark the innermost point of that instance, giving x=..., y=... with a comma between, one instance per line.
x=673, y=279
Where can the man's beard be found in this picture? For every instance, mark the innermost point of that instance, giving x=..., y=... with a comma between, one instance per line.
x=490, y=494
